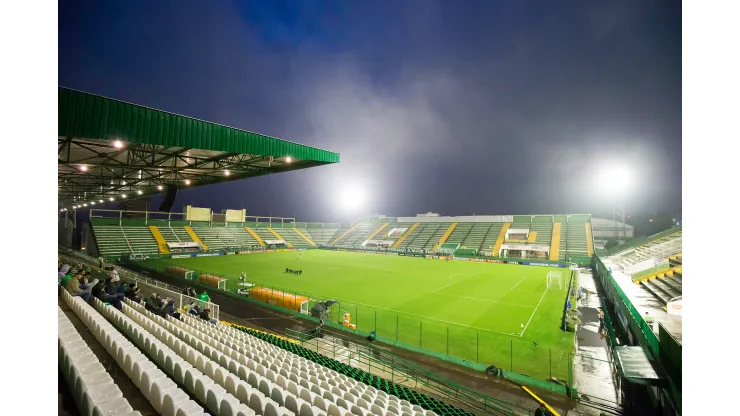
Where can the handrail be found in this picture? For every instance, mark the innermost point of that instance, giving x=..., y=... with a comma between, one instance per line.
x=439, y=384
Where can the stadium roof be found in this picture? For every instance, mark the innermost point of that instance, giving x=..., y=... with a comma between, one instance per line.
x=109, y=148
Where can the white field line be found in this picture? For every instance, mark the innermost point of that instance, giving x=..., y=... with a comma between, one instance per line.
x=436, y=319
x=533, y=312
x=523, y=279
x=456, y=281
x=485, y=300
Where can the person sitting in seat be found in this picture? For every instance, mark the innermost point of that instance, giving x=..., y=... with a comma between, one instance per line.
x=74, y=289
x=194, y=309
x=152, y=303
x=112, y=284
x=99, y=292
x=134, y=293
x=206, y=316
x=169, y=309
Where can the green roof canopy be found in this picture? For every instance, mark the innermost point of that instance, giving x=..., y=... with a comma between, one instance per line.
x=84, y=115
x=109, y=148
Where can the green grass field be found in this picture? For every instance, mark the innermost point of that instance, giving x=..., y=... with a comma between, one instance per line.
x=495, y=314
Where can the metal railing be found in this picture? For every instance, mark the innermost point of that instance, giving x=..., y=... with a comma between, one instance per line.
x=147, y=284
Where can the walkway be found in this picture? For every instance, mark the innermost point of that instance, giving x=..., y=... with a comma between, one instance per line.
x=592, y=368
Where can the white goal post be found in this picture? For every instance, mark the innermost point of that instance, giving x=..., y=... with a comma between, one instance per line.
x=555, y=280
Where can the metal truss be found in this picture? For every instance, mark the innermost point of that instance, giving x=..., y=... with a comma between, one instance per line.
x=90, y=171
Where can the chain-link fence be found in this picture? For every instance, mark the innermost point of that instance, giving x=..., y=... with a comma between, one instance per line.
x=433, y=336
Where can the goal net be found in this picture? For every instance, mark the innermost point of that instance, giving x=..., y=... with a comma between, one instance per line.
x=555, y=280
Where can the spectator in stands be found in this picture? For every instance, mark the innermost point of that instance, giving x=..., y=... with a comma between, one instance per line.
x=64, y=269
x=112, y=284
x=152, y=303
x=542, y=410
x=134, y=293
x=189, y=291
x=169, y=309
x=99, y=292
x=74, y=289
x=194, y=309
x=206, y=316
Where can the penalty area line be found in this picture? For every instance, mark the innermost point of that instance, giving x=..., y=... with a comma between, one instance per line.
x=523, y=279
x=456, y=281
x=533, y=312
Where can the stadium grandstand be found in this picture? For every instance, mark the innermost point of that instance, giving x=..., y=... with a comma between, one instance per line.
x=482, y=297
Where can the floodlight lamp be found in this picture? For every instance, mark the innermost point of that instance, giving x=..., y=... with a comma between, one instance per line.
x=615, y=179
x=159, y=187
x=83, y=168
x=118, y=144
x=187, y=181
x=123, y=196
x=92, y=202
x=139, y=192
x=288, y=159
x=227, y=173
x=352, y=199
x=101, y=201
x=111, y=199
x=84, y=205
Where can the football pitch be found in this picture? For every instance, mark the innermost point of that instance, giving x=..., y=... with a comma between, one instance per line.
x=496, y=314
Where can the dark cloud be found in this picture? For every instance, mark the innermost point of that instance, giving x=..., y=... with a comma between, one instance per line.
x=486, y=107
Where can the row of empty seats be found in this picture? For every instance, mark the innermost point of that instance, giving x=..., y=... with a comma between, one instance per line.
x=163, y=394
x=359, y=234
x=425, y=236
x=114, y=240
x=375, y=384
x=252, y=366
x=218, y=238
x=174, y=234
x=291, y=236
x=92, y=387
x=321, y=235
x=658, y=249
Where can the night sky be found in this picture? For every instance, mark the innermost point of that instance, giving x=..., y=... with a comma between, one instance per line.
x=456, y=107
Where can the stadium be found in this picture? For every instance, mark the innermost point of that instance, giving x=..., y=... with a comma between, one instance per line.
x=385, y=315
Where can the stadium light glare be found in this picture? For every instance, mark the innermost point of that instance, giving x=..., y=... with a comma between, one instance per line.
x=614, y=180
x=288, y=159
x=118, y=144
x=84, y=205
x=110, y=199
x=227, y=173
x=101, y=201
x=139, y=192
x=352, y=199
x=187, y=181
x=159, y=187
x=83, y=168
x=92, y=202
x=123, y=196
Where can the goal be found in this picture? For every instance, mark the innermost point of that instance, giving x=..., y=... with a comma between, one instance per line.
x=555, y=280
